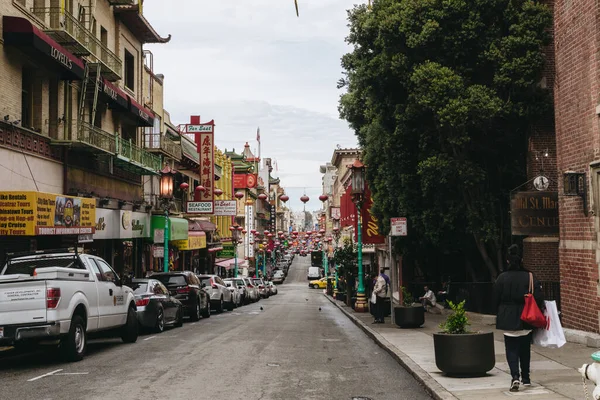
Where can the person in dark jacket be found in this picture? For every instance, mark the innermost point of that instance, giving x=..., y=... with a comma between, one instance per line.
x=509, y=293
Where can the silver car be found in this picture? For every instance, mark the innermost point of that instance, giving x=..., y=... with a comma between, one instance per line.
x=272, y=288
x=235, y=292
x=220, y=295
x=253, y=293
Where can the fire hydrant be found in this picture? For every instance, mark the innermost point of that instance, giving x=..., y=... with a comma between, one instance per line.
x=592, y=373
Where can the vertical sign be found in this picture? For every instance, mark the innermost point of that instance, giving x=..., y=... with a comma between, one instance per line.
x=205, y=143
x=398, y=227
x=249, y=249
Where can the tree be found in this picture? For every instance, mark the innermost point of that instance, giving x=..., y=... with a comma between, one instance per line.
x=442, y=96
x=345, y=258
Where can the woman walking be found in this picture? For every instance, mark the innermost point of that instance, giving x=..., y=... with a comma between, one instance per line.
x=509, y=291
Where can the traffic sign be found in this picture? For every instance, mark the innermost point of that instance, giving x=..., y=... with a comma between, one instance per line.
x=398, y=227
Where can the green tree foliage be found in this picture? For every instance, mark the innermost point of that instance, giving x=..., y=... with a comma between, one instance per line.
x=442, y=95
x=457, y=322
x=346, y=259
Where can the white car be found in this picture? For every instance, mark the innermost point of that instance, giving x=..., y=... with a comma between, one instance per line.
x=48, y=295
x=236, y=292
x=220, y=296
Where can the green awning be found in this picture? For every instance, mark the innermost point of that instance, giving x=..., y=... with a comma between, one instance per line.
x=179, y=227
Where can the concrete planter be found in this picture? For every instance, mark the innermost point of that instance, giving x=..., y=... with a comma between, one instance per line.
x=470, y=354
x=409, y=317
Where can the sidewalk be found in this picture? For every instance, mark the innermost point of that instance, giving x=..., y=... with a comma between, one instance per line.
x=553, y=371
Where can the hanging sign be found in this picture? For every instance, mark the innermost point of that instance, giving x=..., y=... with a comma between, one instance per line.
x=399, y=227
x=249, y=249
x=205, y=143
x=534, y=213
x=225, y=208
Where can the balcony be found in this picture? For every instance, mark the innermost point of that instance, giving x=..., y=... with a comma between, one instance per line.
x=157, y=143
x=90, y=138
x=135, y=159
x=75, y=37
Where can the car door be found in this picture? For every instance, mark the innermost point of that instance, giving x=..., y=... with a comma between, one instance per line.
x=161, y=294
x=223, y=287
x=113, y=310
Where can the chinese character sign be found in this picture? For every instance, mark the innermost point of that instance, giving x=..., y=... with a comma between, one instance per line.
x=205, y=144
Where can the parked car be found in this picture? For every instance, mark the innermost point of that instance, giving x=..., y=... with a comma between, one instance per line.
x=156, y=308
x=278, y=276
x=314, y=273
x=253, y=293
x=318, y=283
x=272, y=288
x=262, y=289
x=220, y=296
x=50, y=295
x=235, y=292
x=185, y=287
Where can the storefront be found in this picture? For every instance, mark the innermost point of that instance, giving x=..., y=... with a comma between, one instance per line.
x=36, y=221
x=190, y=251
x=178, y=232
x=119, y=238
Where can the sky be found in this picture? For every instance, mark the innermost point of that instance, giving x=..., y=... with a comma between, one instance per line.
x=253, y=63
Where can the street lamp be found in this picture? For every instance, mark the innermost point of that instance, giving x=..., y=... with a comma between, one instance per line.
x=336, y=237
x=166, y=195
x=358, y=193
x=235, y=239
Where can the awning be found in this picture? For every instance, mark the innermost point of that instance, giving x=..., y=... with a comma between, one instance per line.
x=141, y=115
x=20, y=32
x=178, y=231
x=201, y=225
x=195, y=241
x=117, y=99
x=230, y=263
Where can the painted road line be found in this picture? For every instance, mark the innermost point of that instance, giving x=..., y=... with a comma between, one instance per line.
x=43, y=376
x=151, y=337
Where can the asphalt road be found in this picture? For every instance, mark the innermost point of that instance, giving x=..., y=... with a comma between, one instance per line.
x=289, y=350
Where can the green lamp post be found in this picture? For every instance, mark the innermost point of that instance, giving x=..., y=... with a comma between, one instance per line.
x=166, y=195
x=358, y=192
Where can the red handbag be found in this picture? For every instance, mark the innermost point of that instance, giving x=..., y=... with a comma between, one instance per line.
x=532, y=314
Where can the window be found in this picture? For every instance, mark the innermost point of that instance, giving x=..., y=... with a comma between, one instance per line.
x=129, y=70
x=107, y=272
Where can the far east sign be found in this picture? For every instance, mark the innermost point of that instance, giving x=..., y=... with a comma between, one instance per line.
x=534, y=213
x=205, y=144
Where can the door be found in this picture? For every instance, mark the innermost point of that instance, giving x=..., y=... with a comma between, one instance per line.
x=161, y=294
x=113, y=306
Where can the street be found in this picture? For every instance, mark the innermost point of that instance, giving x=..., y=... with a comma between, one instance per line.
x=289, y=350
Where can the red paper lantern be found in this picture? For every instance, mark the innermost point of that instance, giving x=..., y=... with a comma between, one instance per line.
x=262, y=196
x=336, y=229
x=244, y=231
x=322, y=231
x=218, y=192
x=304, y=199
x=266, y=232
x=200, y=188
x=295, y=233
x=323, y=197
x=232, y=228
x=184, y=186
x=284, y=198
x=240, y=228
x=239, y=195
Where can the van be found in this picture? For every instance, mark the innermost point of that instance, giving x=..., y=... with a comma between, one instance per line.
x=314, y=273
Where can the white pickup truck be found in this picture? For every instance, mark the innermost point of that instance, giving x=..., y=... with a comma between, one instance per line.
x=49, y=297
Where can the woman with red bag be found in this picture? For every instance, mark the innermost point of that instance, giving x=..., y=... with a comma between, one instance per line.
x=509, y=293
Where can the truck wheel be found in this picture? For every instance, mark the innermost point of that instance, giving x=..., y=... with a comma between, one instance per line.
x=73, y=345
x=129, y=332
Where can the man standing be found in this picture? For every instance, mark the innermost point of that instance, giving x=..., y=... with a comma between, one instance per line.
x=380, y=291
x=428, y=299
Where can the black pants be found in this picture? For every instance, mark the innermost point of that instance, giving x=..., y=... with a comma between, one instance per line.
x=380, y=309
x=518, y=351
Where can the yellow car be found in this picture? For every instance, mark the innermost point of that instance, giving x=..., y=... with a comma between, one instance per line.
x=320, y=283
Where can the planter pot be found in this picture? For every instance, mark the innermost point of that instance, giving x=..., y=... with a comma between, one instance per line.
x=409, y=317
x=470, y=354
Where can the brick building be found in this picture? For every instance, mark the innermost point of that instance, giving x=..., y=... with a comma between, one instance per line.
x=577, y=111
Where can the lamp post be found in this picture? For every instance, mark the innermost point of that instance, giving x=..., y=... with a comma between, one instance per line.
x=166, y=195
x=336, y=237
x=358, y=192
x=235, y=239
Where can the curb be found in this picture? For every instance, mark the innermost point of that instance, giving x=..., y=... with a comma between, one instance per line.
x=431, y=386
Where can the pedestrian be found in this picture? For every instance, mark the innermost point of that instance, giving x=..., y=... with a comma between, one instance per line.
x=509, y=291
x=381, y=292
x=428, y=299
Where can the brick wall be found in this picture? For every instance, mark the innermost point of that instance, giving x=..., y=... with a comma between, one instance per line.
x=576, y=92
x=540, y=256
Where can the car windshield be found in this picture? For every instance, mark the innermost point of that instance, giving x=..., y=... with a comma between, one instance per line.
x=205, y=281
x=257, y=281
x=240, y=282
x=26, y=266
x=172, y=280
x=139, y=287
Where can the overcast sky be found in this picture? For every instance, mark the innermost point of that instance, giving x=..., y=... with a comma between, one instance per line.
x=251, y=63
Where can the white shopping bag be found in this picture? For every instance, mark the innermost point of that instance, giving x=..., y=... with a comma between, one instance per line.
x=553, y=336
x=373, y=298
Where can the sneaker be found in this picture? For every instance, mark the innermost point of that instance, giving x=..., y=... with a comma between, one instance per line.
x=514, y=386
x=526, y=382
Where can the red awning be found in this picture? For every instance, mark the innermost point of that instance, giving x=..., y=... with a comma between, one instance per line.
x=202, y=225
x=140, y=114
x=117, y=98
x=20, y=32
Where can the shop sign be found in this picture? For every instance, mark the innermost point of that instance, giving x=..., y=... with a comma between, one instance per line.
x=158, y=251
x=36, y=213
x=399, y=227
x=159, y=236
x=534, y=213
x=225, y=208
x=205, y=145
x=273, y=218
x=133, y=225
x=227, y=252
x=202, y=128
x=249, y=250
x=107, y=224
x=199, y=207
x=244, y=181
x=335, y=213
x=192, y=243
x=89, y=238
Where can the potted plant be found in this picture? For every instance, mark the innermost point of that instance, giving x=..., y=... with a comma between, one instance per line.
x=459, y=352
x=409, y=314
